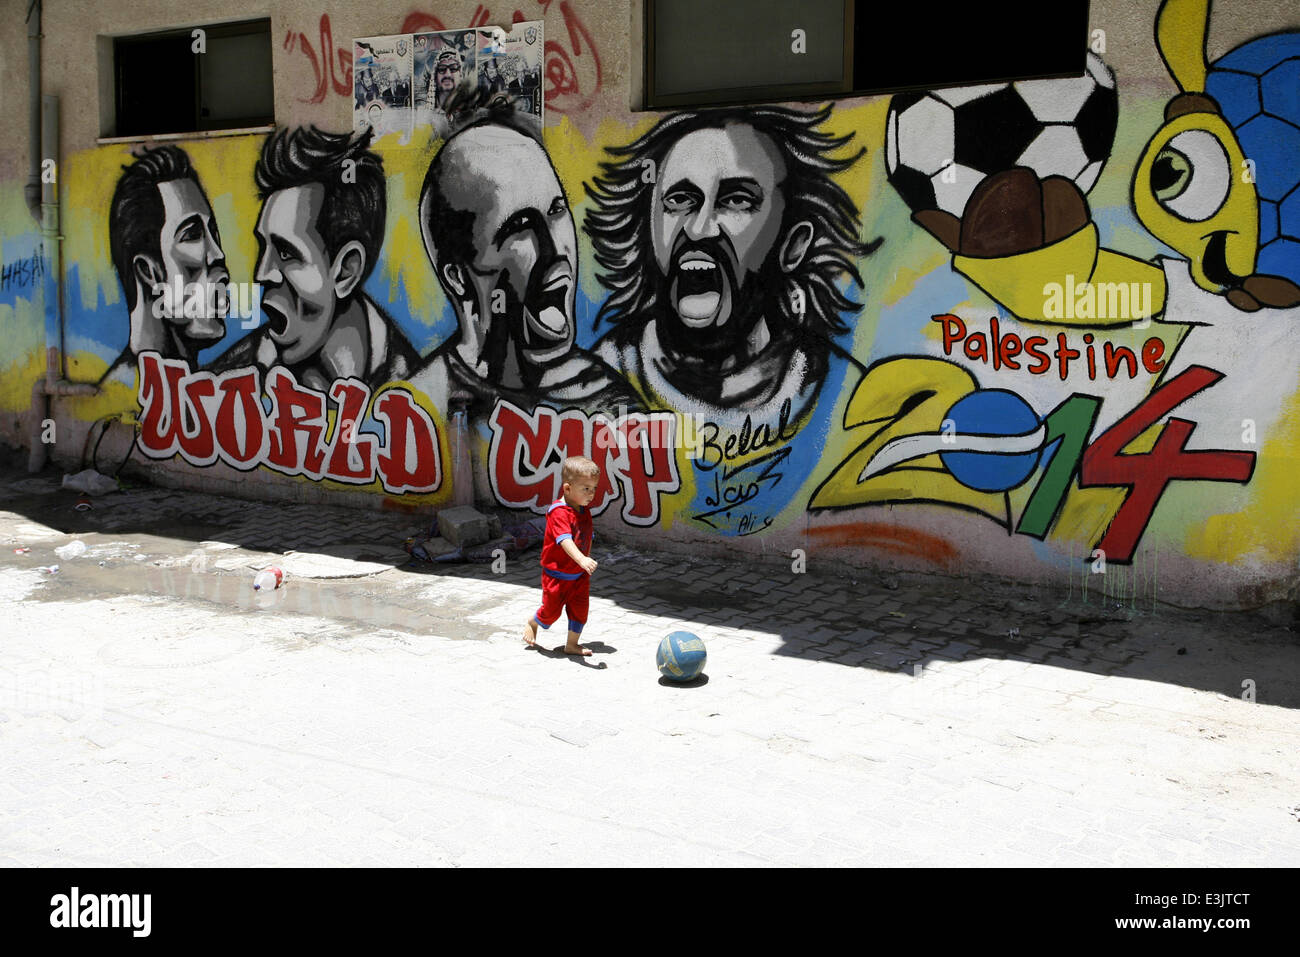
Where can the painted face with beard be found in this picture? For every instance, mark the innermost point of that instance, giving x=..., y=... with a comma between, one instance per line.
x=717, y=208
x=521, y=283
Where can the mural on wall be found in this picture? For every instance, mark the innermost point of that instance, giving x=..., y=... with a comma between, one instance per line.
x=725, y=243
x=499, y=235
x=324, y=341
x=733, y=311
x=724, y=238
x=166, y=249
x=324, y=203
x=500, y=238
x=1021, y=229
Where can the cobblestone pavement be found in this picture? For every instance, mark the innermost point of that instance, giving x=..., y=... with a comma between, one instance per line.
x=154, y=710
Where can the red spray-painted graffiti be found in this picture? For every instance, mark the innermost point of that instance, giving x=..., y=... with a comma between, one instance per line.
x=573, y=74
x=206, y=417
x=636, y=451
x=327, y=72
x=1001, y=349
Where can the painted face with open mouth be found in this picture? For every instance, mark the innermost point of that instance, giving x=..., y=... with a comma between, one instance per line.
x=293, y=268
x=717, y=209
x=546, y=305
x=541, y=320
x=520, y=279
x=702, y=284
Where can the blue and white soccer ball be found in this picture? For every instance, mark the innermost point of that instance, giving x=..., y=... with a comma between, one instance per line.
x=681, y=656
x=941, y=144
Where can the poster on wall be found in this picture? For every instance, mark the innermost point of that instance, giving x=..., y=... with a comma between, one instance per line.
x=510, y=65
x=445, y=63
x=383, y=81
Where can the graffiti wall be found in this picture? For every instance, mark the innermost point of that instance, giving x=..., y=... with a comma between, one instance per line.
x=1028, y=330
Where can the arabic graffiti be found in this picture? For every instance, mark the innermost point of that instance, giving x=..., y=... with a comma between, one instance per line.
x=331, y=68
x=573, y=73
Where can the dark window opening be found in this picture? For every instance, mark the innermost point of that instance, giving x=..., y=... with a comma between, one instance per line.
x=749, y=51
x=164, y=85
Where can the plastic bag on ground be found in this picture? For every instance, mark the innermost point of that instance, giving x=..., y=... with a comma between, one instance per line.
x=91, y=482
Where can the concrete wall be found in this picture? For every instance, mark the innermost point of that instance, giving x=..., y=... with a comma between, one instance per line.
x=783, y=331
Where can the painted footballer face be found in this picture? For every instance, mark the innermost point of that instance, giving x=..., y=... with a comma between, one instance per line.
x=525, y=267
x=294, y=270
x=717, y=218
x=191, y=251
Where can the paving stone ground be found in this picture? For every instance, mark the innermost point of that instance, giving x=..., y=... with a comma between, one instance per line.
x=154, y=710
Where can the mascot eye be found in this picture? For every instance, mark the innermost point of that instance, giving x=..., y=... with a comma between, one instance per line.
x=1191, y=177
x=1170, y=174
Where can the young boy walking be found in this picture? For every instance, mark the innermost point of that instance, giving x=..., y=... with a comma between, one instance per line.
x=566, y=567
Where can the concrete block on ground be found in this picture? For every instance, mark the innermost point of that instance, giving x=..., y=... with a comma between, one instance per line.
x=464, y=526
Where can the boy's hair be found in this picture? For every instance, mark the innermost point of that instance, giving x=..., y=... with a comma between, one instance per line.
x=575, y=466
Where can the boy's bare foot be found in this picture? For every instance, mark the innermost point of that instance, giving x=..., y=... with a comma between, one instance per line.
x=577, y=650
x=530, y=634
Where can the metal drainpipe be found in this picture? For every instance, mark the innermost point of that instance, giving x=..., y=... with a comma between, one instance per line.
x=40, y=409
x=52, y=231
x=43, y=127
x=33, y=188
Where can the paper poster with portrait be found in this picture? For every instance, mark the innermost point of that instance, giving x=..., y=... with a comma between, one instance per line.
x=445, y=73
x=383, y=84
x=510, y=65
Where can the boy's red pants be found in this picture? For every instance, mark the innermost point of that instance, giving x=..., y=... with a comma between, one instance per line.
x=557, y=594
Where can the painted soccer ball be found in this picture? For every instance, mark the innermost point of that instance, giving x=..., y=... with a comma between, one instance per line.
x=941, y=144
x=1256, y=88
x=681, y=656
x=991, y=414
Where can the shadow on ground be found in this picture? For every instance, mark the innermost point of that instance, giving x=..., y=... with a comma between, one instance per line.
x=866, y=621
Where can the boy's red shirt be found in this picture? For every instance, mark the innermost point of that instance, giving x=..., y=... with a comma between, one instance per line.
x=564, y=521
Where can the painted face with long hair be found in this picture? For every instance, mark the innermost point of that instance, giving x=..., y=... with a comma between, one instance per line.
x=726, y=232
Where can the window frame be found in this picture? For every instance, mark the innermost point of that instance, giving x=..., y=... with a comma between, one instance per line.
x=648, y=99
x=740, y=96
x=199, y=126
